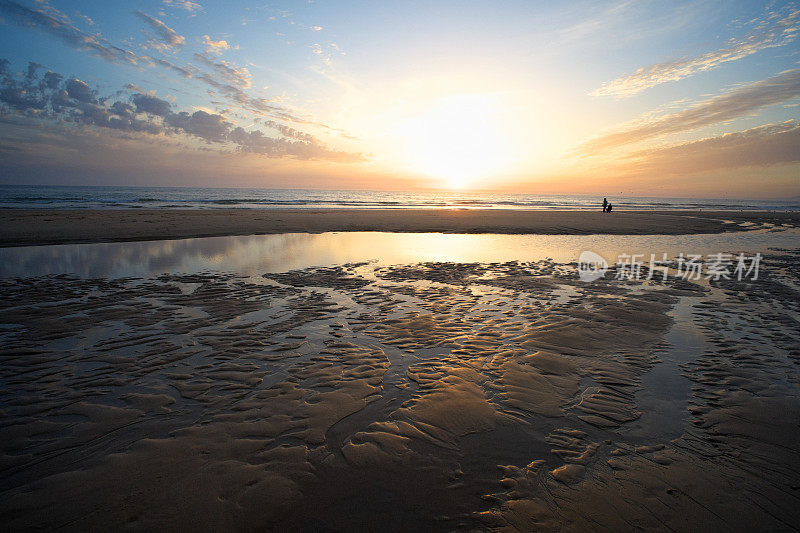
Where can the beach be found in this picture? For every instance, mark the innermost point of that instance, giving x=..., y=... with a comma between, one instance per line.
x=399, y=266
x=266, y=383
x=46, y=226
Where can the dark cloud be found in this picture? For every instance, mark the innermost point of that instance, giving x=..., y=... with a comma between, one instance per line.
x=727, y=106
x=32, y=68
x=256, y=142
x=207, y=126
x=51, y=80
x=80, y=91
x=25, y=94
x=146, y=103
x=122, y=109
x=49, y=97
x=20, y=99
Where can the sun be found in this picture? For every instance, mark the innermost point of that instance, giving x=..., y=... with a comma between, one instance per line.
x=461, y=141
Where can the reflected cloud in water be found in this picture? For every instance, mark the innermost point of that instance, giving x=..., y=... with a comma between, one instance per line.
x=256, y=254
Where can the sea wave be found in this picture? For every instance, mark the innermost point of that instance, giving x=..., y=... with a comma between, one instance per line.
x=60, y=197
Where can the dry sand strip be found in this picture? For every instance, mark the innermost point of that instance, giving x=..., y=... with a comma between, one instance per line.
x=35, y=227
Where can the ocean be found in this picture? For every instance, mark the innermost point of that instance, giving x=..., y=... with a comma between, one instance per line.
x=69, y=197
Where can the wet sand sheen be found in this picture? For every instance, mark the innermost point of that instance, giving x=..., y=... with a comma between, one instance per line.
x=427, y=396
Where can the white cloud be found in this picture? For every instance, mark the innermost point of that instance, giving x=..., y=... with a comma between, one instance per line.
x=215, y=47
x=184, y=4
x=773, y=31
x=726, y=106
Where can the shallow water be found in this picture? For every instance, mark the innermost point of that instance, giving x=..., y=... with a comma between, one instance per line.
x=664, y=396
x=251, y=255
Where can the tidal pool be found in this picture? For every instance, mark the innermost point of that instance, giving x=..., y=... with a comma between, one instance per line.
x=251, y=255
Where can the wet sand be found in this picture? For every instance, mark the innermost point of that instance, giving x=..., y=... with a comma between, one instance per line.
x=31, y=227
x=430, y=396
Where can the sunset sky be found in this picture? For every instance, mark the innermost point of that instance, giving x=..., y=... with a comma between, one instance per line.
x=639, y=98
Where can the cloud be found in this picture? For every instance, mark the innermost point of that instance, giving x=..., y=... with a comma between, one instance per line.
x=49, y=20
x=133, y=88
x=727, y=106
x=51, y=80
x=777, y=29
x=597, y=18
x=207, y=126
x=167, y=35
x=237, y=76
x=54, y=154
x=146, y=103
x=257, y=142
x=260, y=106
x=192, y=7
x=286, y=131
x=83, y=17
x=182, y=71
x=57, y=24
x=767, y=145
x=234, y=81
x=49, y=97
x=215, y=47
x=80, y=91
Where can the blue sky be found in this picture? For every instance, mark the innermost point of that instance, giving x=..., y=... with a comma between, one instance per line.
x=573, y=97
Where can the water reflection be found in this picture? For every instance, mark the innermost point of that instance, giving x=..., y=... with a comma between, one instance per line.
x=278, y=253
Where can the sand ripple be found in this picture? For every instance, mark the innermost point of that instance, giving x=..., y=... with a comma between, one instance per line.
x=435, y=396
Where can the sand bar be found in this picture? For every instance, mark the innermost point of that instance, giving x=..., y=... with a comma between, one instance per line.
x=34, y=227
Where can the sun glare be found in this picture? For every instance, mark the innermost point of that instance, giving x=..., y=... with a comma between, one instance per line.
x=460, y=141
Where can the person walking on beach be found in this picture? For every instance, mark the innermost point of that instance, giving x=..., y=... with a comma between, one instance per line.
x=605, y=204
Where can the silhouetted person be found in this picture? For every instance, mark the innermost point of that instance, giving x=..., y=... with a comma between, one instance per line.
x=605, y=204
x=608, y=209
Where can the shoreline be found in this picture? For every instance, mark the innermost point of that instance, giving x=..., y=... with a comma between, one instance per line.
x=37, y=227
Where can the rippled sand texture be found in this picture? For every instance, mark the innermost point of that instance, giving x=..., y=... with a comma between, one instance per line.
x=436, y=396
